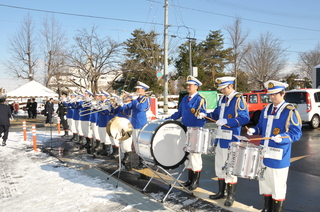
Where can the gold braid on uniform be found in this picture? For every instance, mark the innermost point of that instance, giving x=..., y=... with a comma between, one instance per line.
x=143, y=101
x=203, y=102
x=240, y=97
x=290, y=117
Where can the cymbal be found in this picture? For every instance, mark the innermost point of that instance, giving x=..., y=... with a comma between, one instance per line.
x=119, y=128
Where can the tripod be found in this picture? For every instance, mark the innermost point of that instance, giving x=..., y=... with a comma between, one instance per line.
x=119, y=168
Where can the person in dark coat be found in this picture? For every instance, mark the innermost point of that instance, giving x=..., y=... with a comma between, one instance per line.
x=5, y=114
x=62, y=113
x=34, y=108
x=49, y=110
x=29, y=108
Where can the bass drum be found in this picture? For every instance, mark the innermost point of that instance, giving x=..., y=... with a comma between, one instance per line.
x=162, y=142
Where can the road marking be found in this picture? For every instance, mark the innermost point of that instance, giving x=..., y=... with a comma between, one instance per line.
x=298, y=158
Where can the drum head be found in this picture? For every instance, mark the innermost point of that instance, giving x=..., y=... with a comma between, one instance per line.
x=167, y=145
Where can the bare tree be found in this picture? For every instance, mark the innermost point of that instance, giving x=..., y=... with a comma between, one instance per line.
x=237, y=39
x=308, y=60
x=265, y=59
x=91, y=57
x=22, y=48
x=53, y=47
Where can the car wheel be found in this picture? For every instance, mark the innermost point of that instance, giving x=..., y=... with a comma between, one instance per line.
x=256, y=117
x=314, y=123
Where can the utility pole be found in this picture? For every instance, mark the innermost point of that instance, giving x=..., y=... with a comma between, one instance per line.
x=165, y=71
x=190, y=55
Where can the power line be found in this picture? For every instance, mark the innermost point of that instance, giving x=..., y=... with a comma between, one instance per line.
x=79, y=15
x=246, y=19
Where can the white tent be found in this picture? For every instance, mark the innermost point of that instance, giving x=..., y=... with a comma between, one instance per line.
x=31, y=89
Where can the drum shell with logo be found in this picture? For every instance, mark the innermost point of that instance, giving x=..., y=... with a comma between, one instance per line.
x=161, y=142
x=244, y=160
x=198, y=140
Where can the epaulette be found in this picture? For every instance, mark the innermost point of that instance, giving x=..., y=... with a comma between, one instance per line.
x=238, y=95
x=290, y=107
x=202, y=96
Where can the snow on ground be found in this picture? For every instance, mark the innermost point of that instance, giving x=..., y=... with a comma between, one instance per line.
x=34, y=181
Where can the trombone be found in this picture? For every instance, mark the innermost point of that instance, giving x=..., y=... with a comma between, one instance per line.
x=95, y=109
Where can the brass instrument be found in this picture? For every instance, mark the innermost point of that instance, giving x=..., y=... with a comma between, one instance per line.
x=97, y=108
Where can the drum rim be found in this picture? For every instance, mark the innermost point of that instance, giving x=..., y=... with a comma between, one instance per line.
x=151, y=150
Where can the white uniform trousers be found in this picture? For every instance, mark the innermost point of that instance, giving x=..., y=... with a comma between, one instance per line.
x=220, y=161
x=104, y=137
x=194, y=162
x=86, y=129
x=114, y=142
x=72, y=125
x=126, y=145
x=79, y=127
x=275, y=183
x=135, y=134
x=95, y=131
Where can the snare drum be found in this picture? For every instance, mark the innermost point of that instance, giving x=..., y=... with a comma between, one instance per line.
x=198, y=140
x=162, y=142
x=244, y=160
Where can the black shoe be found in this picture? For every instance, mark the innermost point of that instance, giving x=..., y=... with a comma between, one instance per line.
x=277, y=206
x=140, y=164
x=115, y=152
x=222, y=187
x=231, y=191
x=267, y=204
x=126, y=161
x=4, y=143
x=189, y=181
x=195, y=181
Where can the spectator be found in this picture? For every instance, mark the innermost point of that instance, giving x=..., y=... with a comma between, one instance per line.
x=49, y=110
x=29, y=108
x=5, y=114
x=34, y=108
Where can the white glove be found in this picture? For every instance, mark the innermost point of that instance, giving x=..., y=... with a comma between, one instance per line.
x=65, y=117
x=106, y=107
x=120, y=102
x=221, y=122
x=276, y=138
x=134, y=97
x=250, y=131
x=201, y=116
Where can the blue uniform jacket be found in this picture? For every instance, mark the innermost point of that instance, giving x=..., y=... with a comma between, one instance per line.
x=236, y=117
x=186, y=111
x=69, y=111
x=75, y=111
x=139, y=108
x=84, y=115
x=279, y=127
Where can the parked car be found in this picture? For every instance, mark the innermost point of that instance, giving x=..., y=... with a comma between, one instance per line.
x=307, y=102
x=256, y=101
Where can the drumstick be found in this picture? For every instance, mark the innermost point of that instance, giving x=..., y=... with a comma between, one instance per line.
x=215, y=121
x=265, y=138
x=193, y=112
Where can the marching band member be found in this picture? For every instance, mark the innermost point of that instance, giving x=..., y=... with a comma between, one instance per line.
x=76, y=118
x=189, y=107
x=84, y=120
x=114, y=141
x=103, y=119
x=139, y=106
x=233, y=112
x=62, y=113
x=93, y=122
x=282, y=122
x=126, y=146
x=71, y=121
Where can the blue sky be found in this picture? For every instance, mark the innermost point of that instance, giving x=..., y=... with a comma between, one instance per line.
x=295, y=22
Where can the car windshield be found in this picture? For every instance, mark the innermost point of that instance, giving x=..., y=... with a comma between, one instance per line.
x=265, y=98
x=296, y=97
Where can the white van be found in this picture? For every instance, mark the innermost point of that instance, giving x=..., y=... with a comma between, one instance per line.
x=307, y=102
